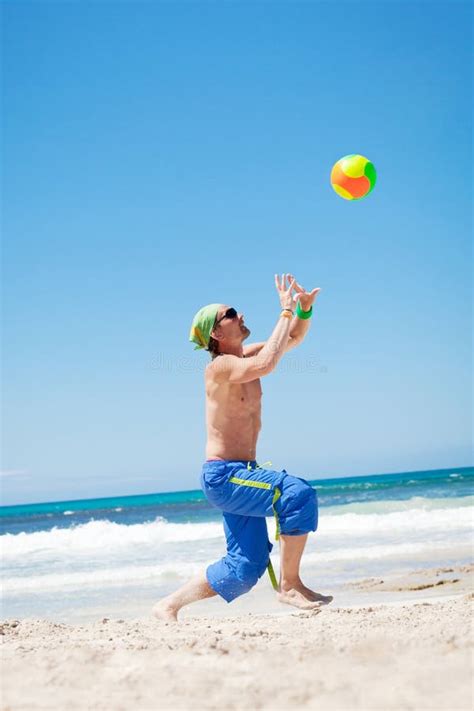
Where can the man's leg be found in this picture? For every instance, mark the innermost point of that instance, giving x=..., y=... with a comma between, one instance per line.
x=291, y=588
x=196, y=589
x=251, y=491
x=233, y=575
x=291, y=551
x=297, y=508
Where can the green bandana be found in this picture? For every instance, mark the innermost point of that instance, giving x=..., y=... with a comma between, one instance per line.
x=202, y=325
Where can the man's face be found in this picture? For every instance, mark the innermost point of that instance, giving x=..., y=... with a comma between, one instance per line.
x=231, y=329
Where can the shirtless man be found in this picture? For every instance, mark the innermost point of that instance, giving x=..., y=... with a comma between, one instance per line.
x=231, y=478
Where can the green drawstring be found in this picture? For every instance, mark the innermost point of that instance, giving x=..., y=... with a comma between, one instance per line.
x=272, y=575
x=258, y=466
x=276, y=496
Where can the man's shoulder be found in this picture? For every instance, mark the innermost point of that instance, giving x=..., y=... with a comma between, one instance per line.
x=211, y=370
x=218, y=365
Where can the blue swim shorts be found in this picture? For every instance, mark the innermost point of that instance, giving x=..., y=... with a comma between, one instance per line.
x=247, y=494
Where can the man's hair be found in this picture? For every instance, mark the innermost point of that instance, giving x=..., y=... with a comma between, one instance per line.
x=213, y=347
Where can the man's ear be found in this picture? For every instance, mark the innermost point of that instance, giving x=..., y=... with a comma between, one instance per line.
x=215, y=333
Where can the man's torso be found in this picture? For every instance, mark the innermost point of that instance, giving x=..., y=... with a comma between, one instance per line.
x=233, y=415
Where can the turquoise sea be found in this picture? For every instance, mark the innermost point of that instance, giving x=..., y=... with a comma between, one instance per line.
x=118, y=554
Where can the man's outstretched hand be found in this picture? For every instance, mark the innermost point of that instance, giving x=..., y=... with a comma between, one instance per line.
x=306, y=298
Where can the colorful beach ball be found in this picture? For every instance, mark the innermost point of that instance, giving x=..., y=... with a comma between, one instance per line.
x=353, y=177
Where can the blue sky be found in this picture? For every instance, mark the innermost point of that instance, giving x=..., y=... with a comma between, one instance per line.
x=161, y=156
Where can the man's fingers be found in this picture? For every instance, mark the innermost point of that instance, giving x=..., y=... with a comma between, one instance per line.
x=295, y=283
x=281, y=283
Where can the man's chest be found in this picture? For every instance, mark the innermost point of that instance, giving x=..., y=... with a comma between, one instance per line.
x=246, y=396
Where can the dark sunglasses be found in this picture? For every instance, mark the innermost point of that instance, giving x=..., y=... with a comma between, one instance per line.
x=230, y=313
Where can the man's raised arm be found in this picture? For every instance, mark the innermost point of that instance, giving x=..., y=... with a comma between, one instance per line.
x=304, y=311
x=243, y=370
x=300, y=324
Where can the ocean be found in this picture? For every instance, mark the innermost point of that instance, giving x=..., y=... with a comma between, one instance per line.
x=114, y=556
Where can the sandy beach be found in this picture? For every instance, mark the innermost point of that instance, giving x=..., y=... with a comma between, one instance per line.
x=401, y=653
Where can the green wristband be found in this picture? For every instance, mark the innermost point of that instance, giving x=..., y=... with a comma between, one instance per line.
x=303, y=314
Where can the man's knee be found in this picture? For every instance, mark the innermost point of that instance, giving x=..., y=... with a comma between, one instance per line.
x=249, y=572
x=230, y=578
x=298, y=507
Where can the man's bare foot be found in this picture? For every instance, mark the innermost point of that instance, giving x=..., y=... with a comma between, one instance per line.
x=164, y=611
x=317, y=597
x=309, y=594
x=297, y=599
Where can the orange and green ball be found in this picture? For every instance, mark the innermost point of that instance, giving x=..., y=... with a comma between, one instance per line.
x=353, y=177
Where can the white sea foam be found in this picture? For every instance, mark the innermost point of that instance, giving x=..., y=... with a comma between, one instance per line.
x=95, y=536
x=101, y=560
x=101, y=555
x=389, y=505
x=412, y=520
x=400, y=551
x=177, y=570
x=122, y=576
x=103, y=535
x=102, y=538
